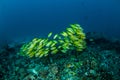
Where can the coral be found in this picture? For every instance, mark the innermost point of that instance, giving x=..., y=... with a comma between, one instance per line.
x=71, y=39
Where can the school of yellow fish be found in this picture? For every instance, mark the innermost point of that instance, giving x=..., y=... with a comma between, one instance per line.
x=73, y=38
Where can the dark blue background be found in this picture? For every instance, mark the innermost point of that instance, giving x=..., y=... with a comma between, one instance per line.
x=21, y=19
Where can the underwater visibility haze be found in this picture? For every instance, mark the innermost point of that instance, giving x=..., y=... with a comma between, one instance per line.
x=23, y=18
x=59, y=40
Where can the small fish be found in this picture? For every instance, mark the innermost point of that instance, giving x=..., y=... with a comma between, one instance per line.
x=53, y=48
x=31, y=54
x=61, y=41
x=75, y=26
x=55, y=36
x=37, y=54
x=49, y=43
x=35, y=39
x=41, y=41
x=64, y=51
x=64, y=34
x=54, y=51
x=71, y=30
x=50, y=34
x=53, y=43
x=46, y=52
x=41, y=55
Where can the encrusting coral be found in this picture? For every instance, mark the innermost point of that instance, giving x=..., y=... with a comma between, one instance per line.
x=71, y=39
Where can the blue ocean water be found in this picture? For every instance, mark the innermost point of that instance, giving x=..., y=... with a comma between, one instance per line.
x=21, y=19
x=63, y=56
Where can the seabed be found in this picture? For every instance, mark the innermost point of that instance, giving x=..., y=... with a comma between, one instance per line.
x=99, y=61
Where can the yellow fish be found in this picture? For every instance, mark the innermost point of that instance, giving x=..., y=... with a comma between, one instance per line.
x=50, y=34
x=55, y=36
x=70, y=30
x=54, y=51
x=49, y=43
x=64, y=34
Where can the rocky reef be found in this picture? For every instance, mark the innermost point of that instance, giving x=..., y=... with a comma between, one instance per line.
x=100, y=60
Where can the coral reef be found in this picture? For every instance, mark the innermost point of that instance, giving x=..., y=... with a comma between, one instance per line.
x=71, y=39
x=97, y=62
